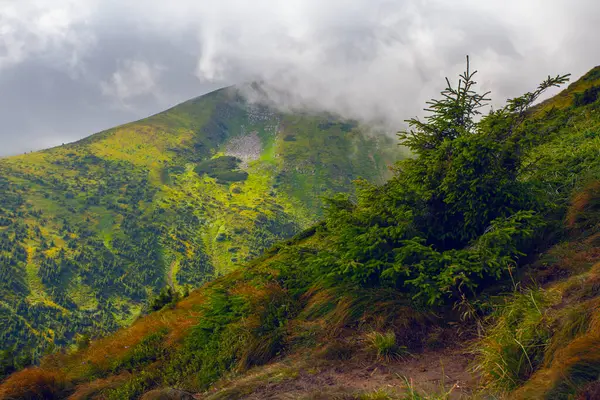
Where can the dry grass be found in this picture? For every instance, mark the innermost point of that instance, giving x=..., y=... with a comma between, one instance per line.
x=87, y=364
x=573, y=367
x=34, y=383
x=583, y=214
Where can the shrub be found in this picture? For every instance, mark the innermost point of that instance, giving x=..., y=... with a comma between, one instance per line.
x=167, y=296
x=455, y=218
x=230, y=176
x=224, y=163
x=224, y=169
x=588, y=96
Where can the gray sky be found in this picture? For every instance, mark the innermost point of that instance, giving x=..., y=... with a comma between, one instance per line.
x=69, y=68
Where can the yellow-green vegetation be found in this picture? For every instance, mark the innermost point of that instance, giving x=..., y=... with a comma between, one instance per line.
x=93, y=230
x=491, y=234
x=384, y=345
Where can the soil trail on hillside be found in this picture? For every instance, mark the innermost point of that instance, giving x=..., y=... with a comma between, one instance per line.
x=308, y=377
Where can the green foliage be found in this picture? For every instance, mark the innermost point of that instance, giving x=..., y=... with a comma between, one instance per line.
x=586, y=97
x=223, y=340
x=167, y=296
x=134, y=387
x=465, y=175
x=230, y=176
x=224, y=169
x=90, y=232
x=149, y=349
x=480, y=197
x=453, y=219
x=224, y=163
x=425, y=271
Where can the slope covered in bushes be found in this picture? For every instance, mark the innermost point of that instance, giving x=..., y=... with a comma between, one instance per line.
x=489, y=234
x=91, y=231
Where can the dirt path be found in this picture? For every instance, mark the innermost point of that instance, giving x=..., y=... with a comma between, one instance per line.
x=307, y=377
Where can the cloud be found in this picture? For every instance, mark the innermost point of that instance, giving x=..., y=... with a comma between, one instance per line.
x=380, y=60
x=32, y=29
x=132, y=79
x=376, y=60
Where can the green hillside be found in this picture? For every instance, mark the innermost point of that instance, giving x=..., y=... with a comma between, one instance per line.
x=472, y=273
x=90, y=231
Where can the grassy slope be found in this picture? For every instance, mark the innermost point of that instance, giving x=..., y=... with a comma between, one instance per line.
x=90, y=230
x=541, y=342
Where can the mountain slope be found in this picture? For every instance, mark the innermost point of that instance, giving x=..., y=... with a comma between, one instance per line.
x=360, y=289
x=89, y=231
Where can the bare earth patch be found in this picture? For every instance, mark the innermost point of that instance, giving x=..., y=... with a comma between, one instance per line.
x=308, y=376
x=247, y=148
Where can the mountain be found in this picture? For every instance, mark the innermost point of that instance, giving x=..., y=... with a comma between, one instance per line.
x=473, y=272
x=90, y=231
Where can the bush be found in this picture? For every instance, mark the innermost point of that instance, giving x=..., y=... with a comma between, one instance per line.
x=219, y=164
x=224, y=169
x=230, y=176
x=456, y=217
x=588, y=96
x=167, y=296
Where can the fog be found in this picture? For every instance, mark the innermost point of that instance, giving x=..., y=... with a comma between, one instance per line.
x=71, y=68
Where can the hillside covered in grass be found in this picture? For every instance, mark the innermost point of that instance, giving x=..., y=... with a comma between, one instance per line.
x=482, y=253
x=90, y=232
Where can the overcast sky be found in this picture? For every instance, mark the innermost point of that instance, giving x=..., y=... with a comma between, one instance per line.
x=69, y=68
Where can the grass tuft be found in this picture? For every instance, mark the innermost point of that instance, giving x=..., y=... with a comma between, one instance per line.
x=384, y=345
x=514, y=346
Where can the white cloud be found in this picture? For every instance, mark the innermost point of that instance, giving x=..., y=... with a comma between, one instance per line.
x=132, y=79
x=56, y=31
x=377, y=60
